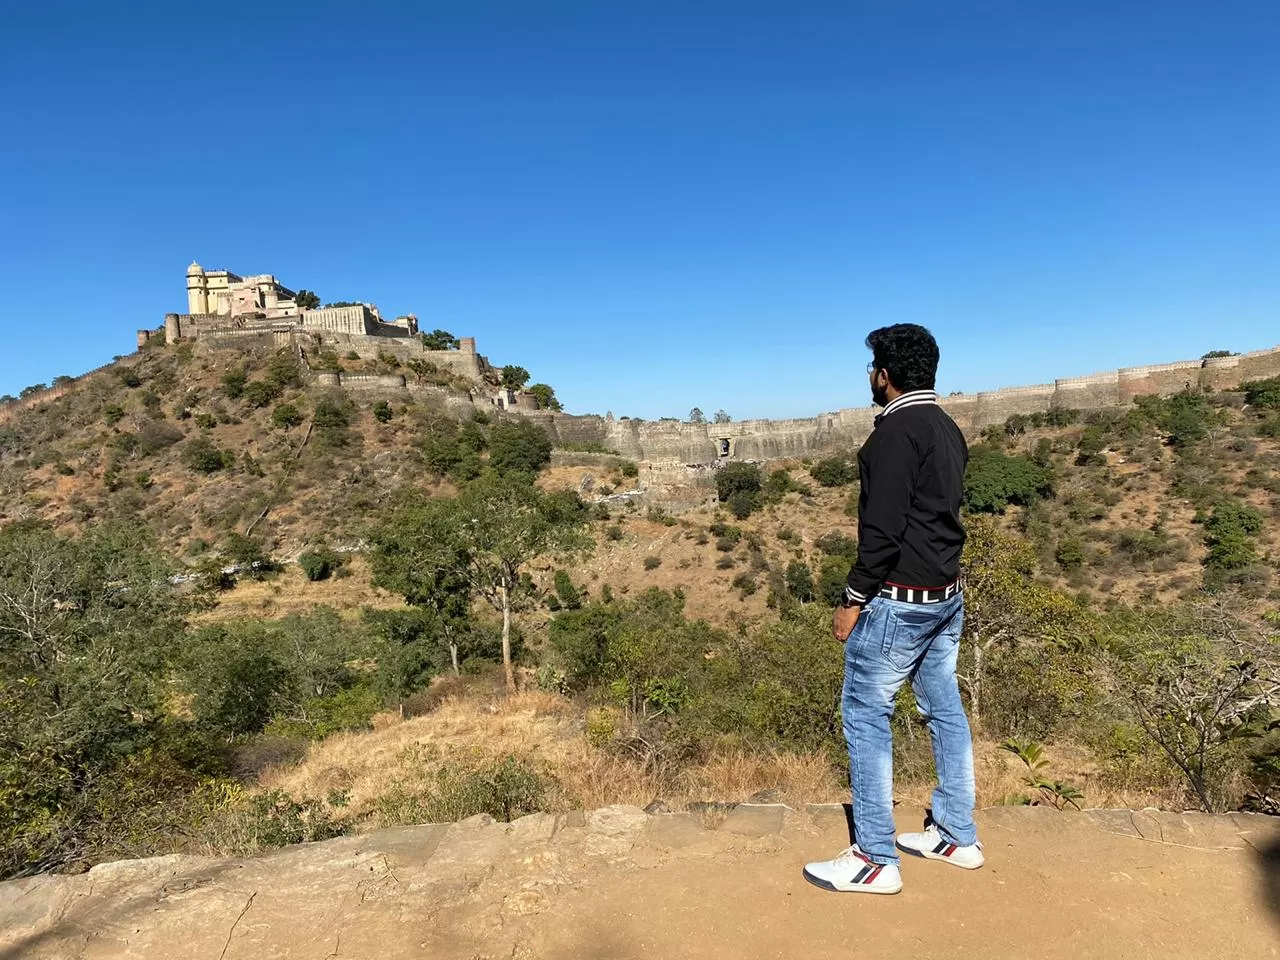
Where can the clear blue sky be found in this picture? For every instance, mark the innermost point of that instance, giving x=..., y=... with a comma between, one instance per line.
x=661, y=204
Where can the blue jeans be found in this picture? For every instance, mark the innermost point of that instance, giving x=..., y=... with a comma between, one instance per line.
x=894, y=642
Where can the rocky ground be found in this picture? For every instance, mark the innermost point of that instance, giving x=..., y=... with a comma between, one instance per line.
x=620, y=883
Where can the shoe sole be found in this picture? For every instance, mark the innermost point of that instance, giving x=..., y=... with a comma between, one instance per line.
x=930, y=855
x=857, y=888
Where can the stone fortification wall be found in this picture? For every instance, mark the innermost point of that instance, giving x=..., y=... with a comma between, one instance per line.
x=846, y=429
x=11, y=409
x=341, y=328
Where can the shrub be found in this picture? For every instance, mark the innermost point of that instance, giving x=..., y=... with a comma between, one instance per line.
x=726, y=563
x=1070, y=553
x=568, y=595
x=453, y=786
x=741, y=504
x=738, y=485
x=382, y=411
x=260, y=393
x=837, y=544
x=128, y=376
x=233, y=383
x=1184, y=417
x=799, y=581
x=113, y=414
x=331, y=418
x=203, y=455
x=833, y=576
x=320, y=563
x=652, y=562
x=274, y=819
x=995, y=480
x=629, y=468
x=836, y=471
x=1262, y=393
x=613, y=533
x=286, y=415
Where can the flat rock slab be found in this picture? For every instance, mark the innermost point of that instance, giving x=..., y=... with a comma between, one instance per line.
x=755, y=819
x=618, y=883
x=674, y=831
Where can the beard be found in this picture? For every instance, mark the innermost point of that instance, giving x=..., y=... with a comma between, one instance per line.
x=879, y=396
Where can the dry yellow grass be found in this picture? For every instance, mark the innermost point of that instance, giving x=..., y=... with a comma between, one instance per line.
x=552, y=731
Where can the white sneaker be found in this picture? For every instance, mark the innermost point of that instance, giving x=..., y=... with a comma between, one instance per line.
x=931, y=845
x=852, y=872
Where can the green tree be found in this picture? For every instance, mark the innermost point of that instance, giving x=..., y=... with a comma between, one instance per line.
x=1263, y=394
x=235, y=678
x=832, y=577
x=835, y=471
x=546, y=397
x=519, y=447
x=439, y=340
x=88, y=626
x=799, y=580
x=738, y=485
x=697, y=416
x=722, y=417
x=995, y=479
x=514, y=378
x=485, y=537
x=1013, y=625
x=307, y=299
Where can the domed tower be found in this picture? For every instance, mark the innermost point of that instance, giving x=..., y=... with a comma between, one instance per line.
x=197, y=289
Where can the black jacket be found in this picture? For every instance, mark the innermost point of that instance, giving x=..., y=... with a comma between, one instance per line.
x=912, y=472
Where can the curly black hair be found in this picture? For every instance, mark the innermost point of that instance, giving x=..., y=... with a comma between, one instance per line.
x=908, y=353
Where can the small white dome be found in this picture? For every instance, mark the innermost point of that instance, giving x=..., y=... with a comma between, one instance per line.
x=195, y=270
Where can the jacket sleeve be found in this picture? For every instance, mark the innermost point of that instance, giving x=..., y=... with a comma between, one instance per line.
x=889, y=474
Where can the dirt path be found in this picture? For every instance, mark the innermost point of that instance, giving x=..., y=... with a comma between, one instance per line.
x=616, y=884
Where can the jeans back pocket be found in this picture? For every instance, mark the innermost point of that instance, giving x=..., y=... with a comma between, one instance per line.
x=909, y=631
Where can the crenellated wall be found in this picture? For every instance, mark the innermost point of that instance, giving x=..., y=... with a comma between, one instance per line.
x=846, y=429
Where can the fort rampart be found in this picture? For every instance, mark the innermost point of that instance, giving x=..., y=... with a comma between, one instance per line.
x=848, y=428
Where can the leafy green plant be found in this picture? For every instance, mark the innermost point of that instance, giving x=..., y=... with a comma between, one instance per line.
x=1053, y=793
x=835, y=471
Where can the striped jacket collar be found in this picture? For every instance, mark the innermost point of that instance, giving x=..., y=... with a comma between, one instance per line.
x=912, y=399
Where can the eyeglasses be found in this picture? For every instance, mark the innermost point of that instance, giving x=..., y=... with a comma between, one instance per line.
x=871, y=367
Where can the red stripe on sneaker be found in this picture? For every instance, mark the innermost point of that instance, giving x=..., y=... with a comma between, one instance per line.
x=951, y=848
x=874, y=873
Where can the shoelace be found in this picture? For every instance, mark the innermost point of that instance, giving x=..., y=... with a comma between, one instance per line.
x=850, y=856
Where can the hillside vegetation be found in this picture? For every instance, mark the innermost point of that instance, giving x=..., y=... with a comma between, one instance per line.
x=1121, y=638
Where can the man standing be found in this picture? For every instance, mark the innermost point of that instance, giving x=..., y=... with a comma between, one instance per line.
x=901, y=619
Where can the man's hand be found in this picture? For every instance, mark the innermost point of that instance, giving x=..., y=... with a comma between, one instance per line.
x=843, y=622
